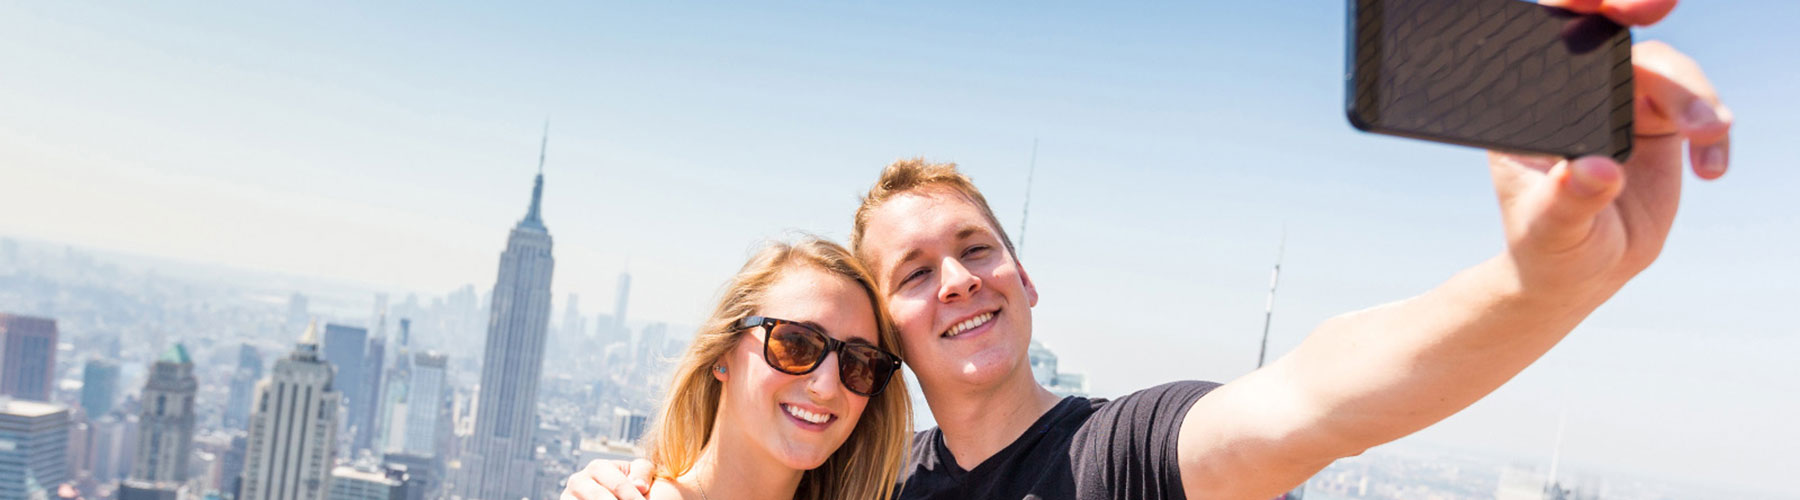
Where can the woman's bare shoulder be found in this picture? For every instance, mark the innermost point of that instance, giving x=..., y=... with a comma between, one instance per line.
x=669, y=489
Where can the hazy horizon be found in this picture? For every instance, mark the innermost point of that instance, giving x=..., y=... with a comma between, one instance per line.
x=392, y=147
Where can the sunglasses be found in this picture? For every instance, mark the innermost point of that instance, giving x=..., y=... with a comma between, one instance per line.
x=797, y=349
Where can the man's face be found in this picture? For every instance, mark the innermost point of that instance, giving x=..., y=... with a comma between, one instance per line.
x=962, y=303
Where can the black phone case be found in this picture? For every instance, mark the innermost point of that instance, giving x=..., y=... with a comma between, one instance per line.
x=1491, y=84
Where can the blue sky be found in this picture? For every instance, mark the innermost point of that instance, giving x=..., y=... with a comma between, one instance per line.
x=393, y=145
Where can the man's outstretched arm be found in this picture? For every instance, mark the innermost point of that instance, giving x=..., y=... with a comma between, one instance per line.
x=1576, y=232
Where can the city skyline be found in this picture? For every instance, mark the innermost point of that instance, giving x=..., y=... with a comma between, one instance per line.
x=1171, y=154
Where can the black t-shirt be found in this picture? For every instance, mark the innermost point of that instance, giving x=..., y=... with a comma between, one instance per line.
x=1086, y=449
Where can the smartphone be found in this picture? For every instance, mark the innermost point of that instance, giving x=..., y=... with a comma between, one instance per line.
x=1507, y=75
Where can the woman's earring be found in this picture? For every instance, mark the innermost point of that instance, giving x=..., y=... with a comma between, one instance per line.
x=720, y=369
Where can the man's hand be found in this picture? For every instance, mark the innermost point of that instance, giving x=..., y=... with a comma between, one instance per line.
x=1576, y=231
x=1580, y=229
x=611, y=480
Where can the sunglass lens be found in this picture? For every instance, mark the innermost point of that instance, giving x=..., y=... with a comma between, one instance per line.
x=865, y=369
x=795, y=349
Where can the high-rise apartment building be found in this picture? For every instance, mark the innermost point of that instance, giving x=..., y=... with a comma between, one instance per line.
x=293, y=428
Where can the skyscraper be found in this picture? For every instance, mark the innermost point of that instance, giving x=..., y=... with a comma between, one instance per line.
x=293, y=428
x=34, y=458
x=27, y=356
x=392, y=418
x=427, y=394
x=370, y=405
x=112, y=444
x=573, y=327
x=243, y=387
x=297, y=312
x=166, y=421
x=346, y=349
x=502, y=464
x=99, y=387
x=622, y=300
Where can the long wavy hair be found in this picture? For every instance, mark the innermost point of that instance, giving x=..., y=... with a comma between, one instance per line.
x=868, y=463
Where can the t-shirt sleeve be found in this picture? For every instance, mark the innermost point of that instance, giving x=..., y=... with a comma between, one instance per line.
x=1129, y=447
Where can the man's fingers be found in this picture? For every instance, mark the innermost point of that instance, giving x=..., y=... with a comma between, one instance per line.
x=642, y=473
x=1675, y=97
x=1626, y=12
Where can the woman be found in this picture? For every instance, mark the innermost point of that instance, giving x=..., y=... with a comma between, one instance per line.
x=791, y=389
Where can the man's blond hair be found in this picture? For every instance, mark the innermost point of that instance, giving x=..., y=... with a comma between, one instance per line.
x=913, y=174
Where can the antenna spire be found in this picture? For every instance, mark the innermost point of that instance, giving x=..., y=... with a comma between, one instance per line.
x=1269, y=309
x=532, y=220
x=544, y=147
x=1026, y=217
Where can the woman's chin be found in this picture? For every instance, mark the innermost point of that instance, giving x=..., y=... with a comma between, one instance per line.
x=805, y=456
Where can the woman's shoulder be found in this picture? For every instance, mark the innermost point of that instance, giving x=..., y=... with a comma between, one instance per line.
x=669, y=489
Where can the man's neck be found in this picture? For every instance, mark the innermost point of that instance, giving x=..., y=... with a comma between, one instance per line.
x=733, y=469
x=979, y=423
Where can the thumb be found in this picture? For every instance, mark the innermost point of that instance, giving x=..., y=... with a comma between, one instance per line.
x=1561, y=212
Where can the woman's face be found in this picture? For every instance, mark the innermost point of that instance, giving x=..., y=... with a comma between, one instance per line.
x=799, y=420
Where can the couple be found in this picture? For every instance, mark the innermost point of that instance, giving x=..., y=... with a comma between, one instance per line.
x=789, y=391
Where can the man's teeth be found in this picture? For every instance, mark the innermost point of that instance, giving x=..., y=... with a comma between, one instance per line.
x=968, y=325
x=808, y=416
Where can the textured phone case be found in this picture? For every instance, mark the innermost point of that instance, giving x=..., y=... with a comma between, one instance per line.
x=1501, y=74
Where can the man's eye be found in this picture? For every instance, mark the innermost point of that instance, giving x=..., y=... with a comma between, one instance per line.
x=976, y=251
x=920, y=273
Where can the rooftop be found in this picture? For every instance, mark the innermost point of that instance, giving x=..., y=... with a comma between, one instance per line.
x=23, y=408
x=176, y=354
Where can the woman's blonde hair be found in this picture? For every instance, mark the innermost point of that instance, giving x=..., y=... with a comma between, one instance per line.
x=868, y=463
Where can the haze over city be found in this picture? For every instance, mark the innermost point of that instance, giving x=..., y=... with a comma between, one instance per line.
x=361, y=149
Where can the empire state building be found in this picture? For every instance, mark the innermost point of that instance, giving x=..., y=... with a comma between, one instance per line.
x=502, y=465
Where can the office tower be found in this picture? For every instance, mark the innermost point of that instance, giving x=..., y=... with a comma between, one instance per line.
x=346, y=349
x=370, y=405
x=99, y=387
x=627, y=425
x=243, y=387
x=166, y=421
x=502, y=464
x=622, y=300
x=34, y=448
x=392, y=418
x=293, y=428
x=351, y=484
x=27, y=356
x=426, y=397
x=1044, y=370
x=573, y=327
x=652, y=343
x=419, y=476
x=112, y=444
x=298, y=314
x=232, y=465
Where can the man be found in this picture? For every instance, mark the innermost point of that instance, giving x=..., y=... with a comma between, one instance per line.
x=1576, y=232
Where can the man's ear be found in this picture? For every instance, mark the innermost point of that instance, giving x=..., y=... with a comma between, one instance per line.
x=1031, y=296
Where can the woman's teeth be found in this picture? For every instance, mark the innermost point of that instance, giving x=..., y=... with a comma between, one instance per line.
x=969, y=325
x=817, y=418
